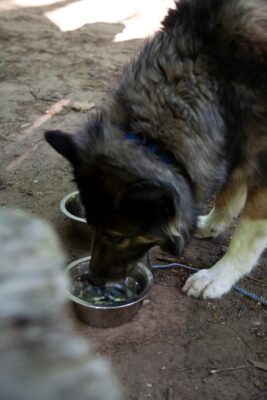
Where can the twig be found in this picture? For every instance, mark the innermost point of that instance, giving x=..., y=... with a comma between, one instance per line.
x=169, y=394
x=53, y=110
x=240, y=309
x=36, y=97
x=217, y=371
x=263, y=283
x=15, y=164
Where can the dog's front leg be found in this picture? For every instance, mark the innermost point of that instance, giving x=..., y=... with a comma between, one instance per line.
x=247, y=244
x=228, y=204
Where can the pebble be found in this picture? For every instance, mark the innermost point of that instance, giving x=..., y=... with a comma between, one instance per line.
x=256, y=323
x=26, y=125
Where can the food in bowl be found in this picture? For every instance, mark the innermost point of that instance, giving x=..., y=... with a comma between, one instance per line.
x=113, y=292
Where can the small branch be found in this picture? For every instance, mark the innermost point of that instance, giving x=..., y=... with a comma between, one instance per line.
x=217, y=371
x=169, y=394
x=240, y=309
x=16, y=163
x=36, y=97
x=263, y=283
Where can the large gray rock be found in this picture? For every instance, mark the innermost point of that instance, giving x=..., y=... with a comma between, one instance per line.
x=41, y=357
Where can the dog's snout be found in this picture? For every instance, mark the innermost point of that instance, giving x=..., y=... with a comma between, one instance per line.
x=97, y=274
x=94, y=279
x=106, y=264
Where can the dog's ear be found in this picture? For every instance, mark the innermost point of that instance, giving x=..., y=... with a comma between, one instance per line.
x=64, y=144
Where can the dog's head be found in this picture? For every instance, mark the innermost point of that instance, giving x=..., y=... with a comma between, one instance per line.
x=132, y=202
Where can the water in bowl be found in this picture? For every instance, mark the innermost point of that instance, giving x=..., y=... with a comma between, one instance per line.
x=110, y=293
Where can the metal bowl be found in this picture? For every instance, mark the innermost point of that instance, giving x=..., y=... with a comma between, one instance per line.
x=109, y=315
x=73, y=210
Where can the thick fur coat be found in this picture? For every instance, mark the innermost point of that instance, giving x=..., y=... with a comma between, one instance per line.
x=196, y=90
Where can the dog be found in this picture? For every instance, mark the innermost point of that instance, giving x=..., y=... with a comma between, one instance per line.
x=187, y=121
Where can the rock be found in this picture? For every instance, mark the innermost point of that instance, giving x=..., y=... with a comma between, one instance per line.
x=40, y=355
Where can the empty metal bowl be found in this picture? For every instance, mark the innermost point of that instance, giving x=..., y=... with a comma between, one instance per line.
x=73, y=210
x=114, y=314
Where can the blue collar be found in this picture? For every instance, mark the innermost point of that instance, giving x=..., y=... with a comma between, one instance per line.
x=165, y=156
x=152, y=146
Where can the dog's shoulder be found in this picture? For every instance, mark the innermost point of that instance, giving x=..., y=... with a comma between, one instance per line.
x=232, y=32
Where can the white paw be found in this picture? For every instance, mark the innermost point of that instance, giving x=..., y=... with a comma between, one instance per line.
x=208, y=284
x=210, y=225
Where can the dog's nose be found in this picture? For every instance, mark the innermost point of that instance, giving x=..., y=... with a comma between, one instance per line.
x=95, y=279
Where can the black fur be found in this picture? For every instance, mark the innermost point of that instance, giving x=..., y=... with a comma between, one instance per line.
x=197, y=89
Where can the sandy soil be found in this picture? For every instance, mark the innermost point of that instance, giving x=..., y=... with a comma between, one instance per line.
x=169, y=350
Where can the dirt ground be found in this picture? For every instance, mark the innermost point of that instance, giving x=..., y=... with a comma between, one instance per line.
x=176, y=347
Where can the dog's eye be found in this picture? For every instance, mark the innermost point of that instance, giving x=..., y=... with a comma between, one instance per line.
x=115, y=239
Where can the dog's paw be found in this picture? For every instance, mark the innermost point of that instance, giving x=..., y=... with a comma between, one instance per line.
x=208, y=284
x=210, y=225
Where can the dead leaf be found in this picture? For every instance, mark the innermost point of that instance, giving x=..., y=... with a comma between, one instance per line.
x=26, y=125
x=81, y=106
x=259, y=365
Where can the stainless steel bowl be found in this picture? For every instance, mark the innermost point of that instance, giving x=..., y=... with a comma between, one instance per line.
x=109, y=315
x=73, y=210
